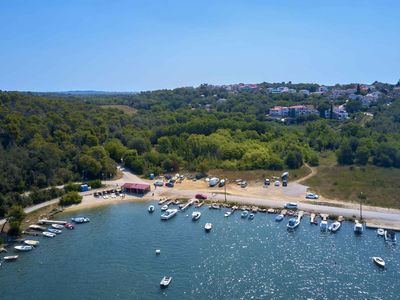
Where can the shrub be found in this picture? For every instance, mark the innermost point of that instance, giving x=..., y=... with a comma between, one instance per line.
x=95, y=184
x=70, y=198
x=69, y=187
x=15, y=229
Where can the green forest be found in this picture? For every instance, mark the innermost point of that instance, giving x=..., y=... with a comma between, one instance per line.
x=51, y=139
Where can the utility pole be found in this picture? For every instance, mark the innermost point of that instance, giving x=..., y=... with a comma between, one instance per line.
x=225, y=187
x=361, y=198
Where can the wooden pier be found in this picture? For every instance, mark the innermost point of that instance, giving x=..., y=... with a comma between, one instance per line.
x=300, y=215
x=312, y=218
x=324, y=217
x=375, y=225
x=200, y=204
x=190, y=203
x=47, y=222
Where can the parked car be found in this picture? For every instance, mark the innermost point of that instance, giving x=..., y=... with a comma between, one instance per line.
x=312, y=196
x=201, y=196
x=221, y=183
x=284, y=183
x=159, y=183
x=291, y=205
x=243, y=184
x=277, y=183
x=266, y=181
x=200, y=176
x=170, y=184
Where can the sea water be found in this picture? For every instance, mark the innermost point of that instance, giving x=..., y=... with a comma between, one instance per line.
x=113, y=257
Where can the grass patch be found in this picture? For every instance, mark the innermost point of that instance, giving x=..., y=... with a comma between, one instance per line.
x=379, y=185
x=260, y=175
x=124, y=108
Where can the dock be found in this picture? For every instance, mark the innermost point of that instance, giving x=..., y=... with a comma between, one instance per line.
x=47, y=222
x=200, y=204
x=162, y=201
x=190, y=203
x=312, y=218
x=324, y=217
x=375, y=225
x=340, y=219
x=300, y=215
x=32, y=233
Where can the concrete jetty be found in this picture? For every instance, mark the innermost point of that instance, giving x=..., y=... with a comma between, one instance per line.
x=45, y=221
x=324, y=217
x=284, y=212
x=312, y=218
x=190, y=203
x=300, y=215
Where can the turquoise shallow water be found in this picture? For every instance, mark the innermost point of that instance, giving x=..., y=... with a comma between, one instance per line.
x=113, y=257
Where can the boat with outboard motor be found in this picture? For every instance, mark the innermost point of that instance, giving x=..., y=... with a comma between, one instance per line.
x=228, y=213
x=169, y=213
x=165, y=281
x=196, y=215
x=279, y=218
x=151, y=209
x=244, y=214
x=358, y=228
x=48, y=234
x=390, y=236
x=208, y=227
x=52, y=230
x=293, y=223
x=31, y=242
x=80, y=220
x=57, y=226
x=335, y=226
x=23, y=248
x=323, y=225
x=379, y=261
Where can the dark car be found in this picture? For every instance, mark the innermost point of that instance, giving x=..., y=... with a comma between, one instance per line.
x=170, y=184
x=201, y=196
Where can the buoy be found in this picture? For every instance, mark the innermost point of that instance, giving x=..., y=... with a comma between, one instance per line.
x=158, y=251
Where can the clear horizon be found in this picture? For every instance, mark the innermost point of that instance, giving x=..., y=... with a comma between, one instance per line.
x=133, y=46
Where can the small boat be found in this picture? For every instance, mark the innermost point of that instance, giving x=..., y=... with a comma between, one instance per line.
x=227, y=214
x=279, y=218
x=23, y=248
x=358, y=228
x=390, y=236
x=80, y=220
x=37, y=227
x=208, y=227
x=215, y=206
x=380, y=231
x=69, y=226
x=251, y=216
x=10, y=258
x=244, y=214
x=158, y=251
x=48, y=234
x=164, y=207
x=31, y=242
x=196, y=215
x=165, y=281
x=271, y=210
x=379, y=261
x=293, y=223
x=151, y=209
x=52, y=230
x=323, y=225
x=335, y=226
x=57, y=226
x=169, y=214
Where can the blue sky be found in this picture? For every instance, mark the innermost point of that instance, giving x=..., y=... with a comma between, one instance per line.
x=55, y=45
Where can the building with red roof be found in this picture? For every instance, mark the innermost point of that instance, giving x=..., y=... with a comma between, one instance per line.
x=136, y=188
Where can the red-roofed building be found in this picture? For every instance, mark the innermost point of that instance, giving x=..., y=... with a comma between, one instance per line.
x=136, y=188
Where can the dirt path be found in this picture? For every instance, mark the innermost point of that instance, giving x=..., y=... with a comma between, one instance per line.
x=314, y=172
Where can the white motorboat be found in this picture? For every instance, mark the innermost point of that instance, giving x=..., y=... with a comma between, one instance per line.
x=48, y=234
x=158, y=251
x=379, y=261
x=251, y=216
x=151, y=209
x=57, y=226
x=358, y=228
x=293, y=223
x=37, y=227
x=335, y=226
x=215, y=206
x=323, y=225
x=227, y=214
x=164, y=207
x=52, y=230
x=10, y=258
x=31, y=242
x=80, y=220
x=196, y=215
x=23, y=248
x=244, y=214
x=165, y=281
x=208, y=226
x=169, y=213
x=390, y=236
x=380, y=231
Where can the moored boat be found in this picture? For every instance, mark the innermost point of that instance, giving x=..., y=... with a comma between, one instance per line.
x=69, y=226
x=165, y=281
x=164, y=207
x=169, y=213
x=53, y=230
x=57, y=226
x=251, y=216
x=196, y=215
x=10, y=258
x=244, y=214
x=80, y=220
x=215, y=206
x=390, y=236
x=48, y=234
x=227, y=214
x=335, y=226
x=23, y=248
x=293, y=223
x=323, y=225
x=151, y=209
x=358, y=228
x=31, y=242
x=379, y=261
x=208, y=226
x=279, y=218
x=37, y=227
x=380, y=231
